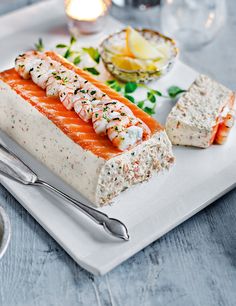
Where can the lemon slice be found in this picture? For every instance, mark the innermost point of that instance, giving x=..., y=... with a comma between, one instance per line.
x=126, y=63
x=139, y=47
x=119, y=49
x=152, y=67
x=164, y=49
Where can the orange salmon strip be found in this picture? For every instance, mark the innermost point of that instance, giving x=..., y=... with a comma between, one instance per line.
x=220, y=131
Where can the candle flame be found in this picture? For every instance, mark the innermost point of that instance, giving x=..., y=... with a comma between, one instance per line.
x=86, y=10
x=210, y=20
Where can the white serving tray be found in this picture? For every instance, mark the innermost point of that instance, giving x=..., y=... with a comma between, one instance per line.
x=149, y=210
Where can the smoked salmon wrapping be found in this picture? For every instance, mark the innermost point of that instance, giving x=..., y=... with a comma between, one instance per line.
x=70, y=146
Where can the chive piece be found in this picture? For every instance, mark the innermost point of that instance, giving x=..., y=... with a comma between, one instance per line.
x=76, y=91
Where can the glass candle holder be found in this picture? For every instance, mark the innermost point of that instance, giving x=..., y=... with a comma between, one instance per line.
x=86, y=16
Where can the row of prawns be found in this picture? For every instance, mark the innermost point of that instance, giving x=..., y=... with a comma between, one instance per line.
x=109, y=117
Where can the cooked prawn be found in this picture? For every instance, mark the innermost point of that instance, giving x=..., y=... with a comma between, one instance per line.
x=225, y=127
x=42, y=71
x=93, y=91
x=125, y=132
x=83, y=104
x=66, y=93
x=84, y=109
x=56, y=79
x=105, y=112
x=68, y=90
x=25, y=62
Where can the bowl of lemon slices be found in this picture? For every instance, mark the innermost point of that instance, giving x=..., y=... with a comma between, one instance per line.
x=134, y=55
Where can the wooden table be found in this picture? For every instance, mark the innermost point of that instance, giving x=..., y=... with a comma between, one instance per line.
x=195, y=264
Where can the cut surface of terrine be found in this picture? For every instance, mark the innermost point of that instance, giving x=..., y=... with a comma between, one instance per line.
x=193, y=121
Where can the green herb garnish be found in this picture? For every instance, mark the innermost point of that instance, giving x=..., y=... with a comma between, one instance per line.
x=72, y=40
x=141, y=104
x=68, y=53
x=150, y=111
x=151, y=94
x=109, y=82
x=39, y=46
x=151, y=97
x=174, y=91
x=92, y=70
x=131, y=98
x=61, y=46
x=93, y=53
x=130, y=87
x=77, y=60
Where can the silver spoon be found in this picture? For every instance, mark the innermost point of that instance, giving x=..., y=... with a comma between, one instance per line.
x=13, y=167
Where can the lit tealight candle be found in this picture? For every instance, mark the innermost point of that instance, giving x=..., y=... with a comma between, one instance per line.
x=86, y=16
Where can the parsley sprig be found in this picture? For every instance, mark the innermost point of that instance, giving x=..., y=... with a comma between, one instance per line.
x=69, y=52
x=152, y=95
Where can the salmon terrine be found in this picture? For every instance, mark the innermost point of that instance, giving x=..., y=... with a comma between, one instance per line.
x=93, y=138
x=203, y=115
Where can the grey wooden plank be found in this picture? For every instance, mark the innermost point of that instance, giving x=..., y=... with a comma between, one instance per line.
x=192, y=265
x=195, y=264
x=9, y=5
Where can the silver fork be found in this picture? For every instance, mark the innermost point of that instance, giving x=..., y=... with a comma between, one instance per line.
x=13, y=167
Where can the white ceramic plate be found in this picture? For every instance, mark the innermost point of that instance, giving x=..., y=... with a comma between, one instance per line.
x=149, y=210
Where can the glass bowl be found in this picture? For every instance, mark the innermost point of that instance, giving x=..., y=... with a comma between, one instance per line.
x=114, y=43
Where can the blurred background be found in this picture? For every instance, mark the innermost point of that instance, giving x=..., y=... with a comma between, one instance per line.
x=9, y=5
x=201, y=27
